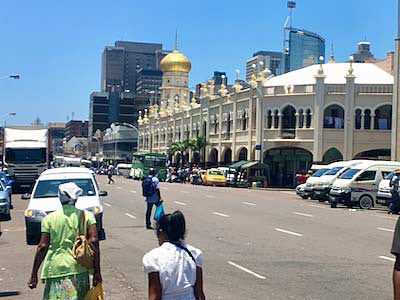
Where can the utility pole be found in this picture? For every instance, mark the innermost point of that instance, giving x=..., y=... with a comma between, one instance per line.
x=395, y=153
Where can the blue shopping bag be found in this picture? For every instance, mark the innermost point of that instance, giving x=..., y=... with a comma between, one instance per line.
x=159, y=212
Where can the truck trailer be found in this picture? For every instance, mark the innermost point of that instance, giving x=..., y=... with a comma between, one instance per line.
x=26, y=154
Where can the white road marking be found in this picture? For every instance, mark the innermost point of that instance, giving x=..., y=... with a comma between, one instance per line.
x=118, y=187
x=220, y=214
x=319, y=206
x=107, y=204
x=303, y=214
x=248, y=203
x=130, y=216
x=180, y=203
x=185, y=192
x=288, y=232
x=387, y=258
x=210, y=196
x=385, y=229
x=246, y=270
x=134, y=192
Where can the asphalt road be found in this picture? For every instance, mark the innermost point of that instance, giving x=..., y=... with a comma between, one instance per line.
x=257, y=245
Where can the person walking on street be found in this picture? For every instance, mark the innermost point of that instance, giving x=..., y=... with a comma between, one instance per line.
x=396, y=269
x=151, y=191
x=174, y=269
x=394, y=206
x=110, y=174
x=64, y=278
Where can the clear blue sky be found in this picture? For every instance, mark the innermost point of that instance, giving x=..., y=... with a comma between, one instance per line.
x=56, y=45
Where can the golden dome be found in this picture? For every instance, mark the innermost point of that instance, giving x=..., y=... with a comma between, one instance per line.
x=175, y=62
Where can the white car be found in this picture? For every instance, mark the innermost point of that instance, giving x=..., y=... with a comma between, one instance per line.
x=384, y=195
x=300, y=191
x=44, y=199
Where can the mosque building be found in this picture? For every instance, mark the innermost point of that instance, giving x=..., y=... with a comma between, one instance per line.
x=321, y=113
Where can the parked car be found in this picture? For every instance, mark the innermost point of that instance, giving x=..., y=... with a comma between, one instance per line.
x=384, y=195
x=44, y=198
x=5, y=204
x=229, y=175
x=8, y=183
x=359, y=184
x=214, y=177
x=322, y=185
x=300, y=191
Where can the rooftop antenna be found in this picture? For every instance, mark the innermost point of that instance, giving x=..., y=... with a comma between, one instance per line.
x=291, y=5
x=176, y=39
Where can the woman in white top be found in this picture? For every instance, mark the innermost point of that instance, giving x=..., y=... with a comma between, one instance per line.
x=174, y=269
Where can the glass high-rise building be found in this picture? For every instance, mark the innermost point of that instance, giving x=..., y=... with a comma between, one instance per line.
x=304, y=49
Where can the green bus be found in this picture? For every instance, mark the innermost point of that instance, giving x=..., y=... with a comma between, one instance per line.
x=143, y=161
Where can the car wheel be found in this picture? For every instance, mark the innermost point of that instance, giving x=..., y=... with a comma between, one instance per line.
x=333, y=204
x=321, y=200
x=304, y=197
x=365, y=202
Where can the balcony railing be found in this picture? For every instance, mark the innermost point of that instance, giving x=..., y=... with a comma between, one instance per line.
x=288, y=133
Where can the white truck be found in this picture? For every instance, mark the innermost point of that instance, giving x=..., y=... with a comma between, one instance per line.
x=26, y=154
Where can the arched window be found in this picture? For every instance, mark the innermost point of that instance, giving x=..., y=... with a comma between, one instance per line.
x=269, y=119
x=334, y=117
x=289, y=122
x=301, y=118
x=357, y=121
x=383, y=117
x=367, y=119
x=308, y=118
x=276, y=118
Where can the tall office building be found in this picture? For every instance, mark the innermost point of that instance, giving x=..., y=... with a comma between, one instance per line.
x=363, y=53
x=111, y=107
x=149, y=82
x=121, y=62
x=76, y=128
x=304, y=48
x=264, y=59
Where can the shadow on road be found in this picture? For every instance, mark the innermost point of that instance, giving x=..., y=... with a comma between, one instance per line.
x=8, y=294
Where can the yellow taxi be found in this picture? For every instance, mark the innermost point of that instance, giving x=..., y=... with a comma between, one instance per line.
x=214, y=177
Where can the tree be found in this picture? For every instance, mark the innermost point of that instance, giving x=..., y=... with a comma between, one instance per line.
x=197, y=145
x=181, y=148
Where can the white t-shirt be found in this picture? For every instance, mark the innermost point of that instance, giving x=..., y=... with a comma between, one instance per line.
x=394, y=180
x=176, y=268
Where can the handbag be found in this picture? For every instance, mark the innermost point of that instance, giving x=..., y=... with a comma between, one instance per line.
x=82, y=251
x=95, y=293
x=159, y=212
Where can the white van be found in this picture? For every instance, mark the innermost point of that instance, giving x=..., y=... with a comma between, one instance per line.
x=359, y=184
x=320, y=186
x=44, y=199
x=384, y=195
x=124, y=169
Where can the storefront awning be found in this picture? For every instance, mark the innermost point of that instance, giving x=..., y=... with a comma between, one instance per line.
x=254, y=165
x=238, y=164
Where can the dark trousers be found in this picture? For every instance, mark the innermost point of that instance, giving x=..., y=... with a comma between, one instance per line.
x=395, y=204
x=110, y=179
x=148, y=213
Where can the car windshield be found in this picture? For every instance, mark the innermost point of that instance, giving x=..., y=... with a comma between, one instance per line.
x=349, y=174
x=26, y=156
x=216, y=173
x=320, y=172
x=333, y=171
x=49, y=188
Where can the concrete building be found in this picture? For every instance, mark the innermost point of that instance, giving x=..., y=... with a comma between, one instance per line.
x=76, y=128
x=76, y=147
x=149, y=83
x=386, y=63
x=363, y=53
x=264, y=59
x=121, y=62
x=119, y=143
x=321, y=113
x=57, y=135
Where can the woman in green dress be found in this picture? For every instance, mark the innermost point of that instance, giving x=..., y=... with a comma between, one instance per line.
x=65, y=279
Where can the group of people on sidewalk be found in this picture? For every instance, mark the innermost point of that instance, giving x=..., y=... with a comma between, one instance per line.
x=174, y=269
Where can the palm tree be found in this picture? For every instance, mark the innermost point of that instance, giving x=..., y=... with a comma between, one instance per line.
x=181, y=148
x=198, y=144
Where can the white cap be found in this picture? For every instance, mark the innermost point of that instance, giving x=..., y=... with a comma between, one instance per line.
x=70, y=189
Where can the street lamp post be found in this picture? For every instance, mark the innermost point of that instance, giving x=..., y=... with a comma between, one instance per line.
x=6, y=115
x=395, y=149
x=12, y=76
